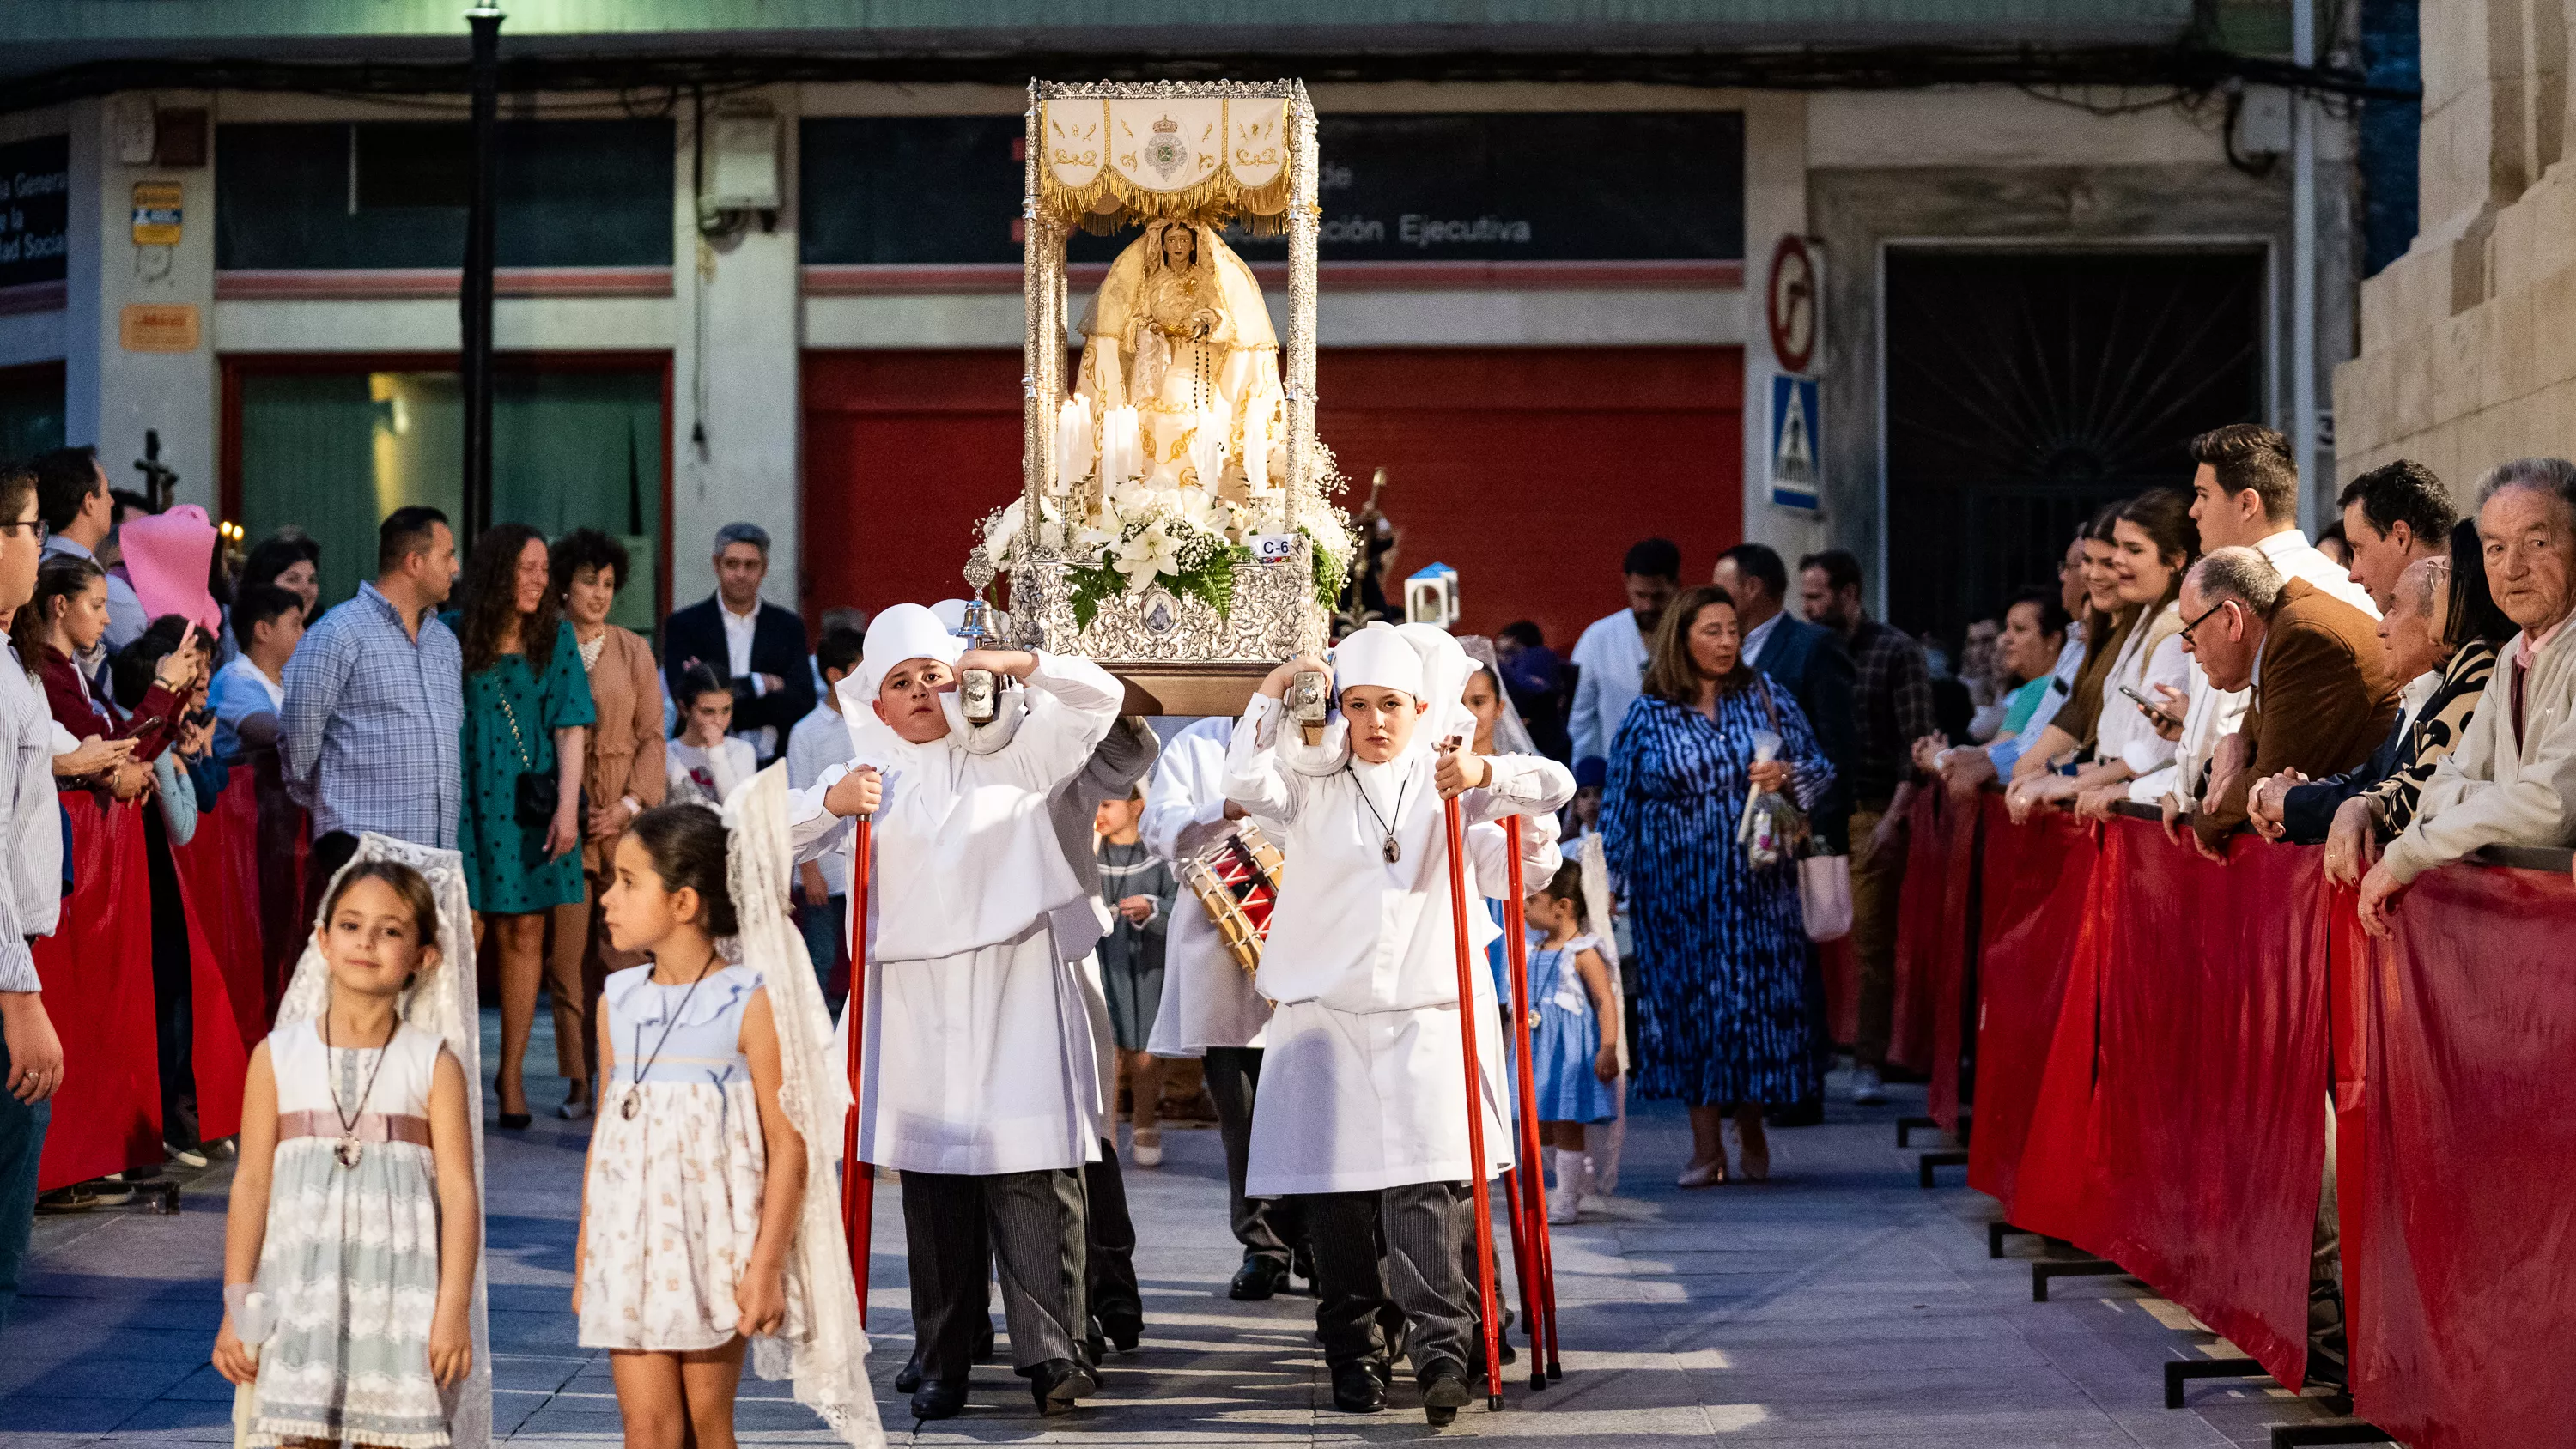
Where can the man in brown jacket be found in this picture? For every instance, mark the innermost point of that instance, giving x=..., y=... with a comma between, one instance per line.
x=2323, y=695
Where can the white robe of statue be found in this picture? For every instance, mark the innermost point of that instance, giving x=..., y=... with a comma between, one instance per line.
x=1178, y=331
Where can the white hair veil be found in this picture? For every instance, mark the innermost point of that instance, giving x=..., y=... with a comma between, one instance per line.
x=829, y=1365
x=443, y=1001
x=1511, y=737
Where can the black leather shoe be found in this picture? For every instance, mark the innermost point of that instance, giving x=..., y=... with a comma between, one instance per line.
x=908, y=1378
x=1444, y=1393
x=1360, y=1387
x=1057, y=1383
x=1123, y=1329
x=1257, y=1279
x=939, y=1398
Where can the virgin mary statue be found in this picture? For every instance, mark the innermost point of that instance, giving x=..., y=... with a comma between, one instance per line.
x=1179, y=333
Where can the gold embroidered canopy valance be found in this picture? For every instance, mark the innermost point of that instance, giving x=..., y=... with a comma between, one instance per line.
x=1208, y=153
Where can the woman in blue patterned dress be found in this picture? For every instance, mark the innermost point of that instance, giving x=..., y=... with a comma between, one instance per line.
x=1721, y=948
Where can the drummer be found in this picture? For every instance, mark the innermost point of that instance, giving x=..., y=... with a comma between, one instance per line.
x=980, y=1077
x=1208, y=1007
x=1367, y=1075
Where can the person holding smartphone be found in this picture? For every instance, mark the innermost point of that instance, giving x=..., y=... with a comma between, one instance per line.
x=2154, y=542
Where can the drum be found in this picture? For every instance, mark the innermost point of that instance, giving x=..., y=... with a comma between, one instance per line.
x=1236, y=881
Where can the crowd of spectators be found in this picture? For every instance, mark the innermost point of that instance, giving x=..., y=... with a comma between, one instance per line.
x=2406, y=700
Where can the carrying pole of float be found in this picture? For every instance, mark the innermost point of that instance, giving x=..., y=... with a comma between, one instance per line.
x=1538, y=1295
x=1476, y=1191
x=858, y=1179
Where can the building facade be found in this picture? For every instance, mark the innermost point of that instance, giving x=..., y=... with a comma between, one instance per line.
x=2468, y=341
x=1554, y=306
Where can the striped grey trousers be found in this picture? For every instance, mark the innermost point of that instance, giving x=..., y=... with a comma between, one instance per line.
x=1034, y=1221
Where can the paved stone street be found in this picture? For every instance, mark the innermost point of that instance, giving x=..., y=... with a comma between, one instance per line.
x=1838, y=1305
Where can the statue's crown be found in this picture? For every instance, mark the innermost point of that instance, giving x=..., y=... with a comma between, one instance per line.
x=1167, y=124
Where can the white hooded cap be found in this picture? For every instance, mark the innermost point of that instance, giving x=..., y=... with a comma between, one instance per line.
x=906, y=631
x=1422, y=662
x=1378, y=656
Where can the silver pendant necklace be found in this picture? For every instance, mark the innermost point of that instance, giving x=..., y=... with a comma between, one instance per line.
x=634, y=1099
x=350, y=1149
x=1392, y=849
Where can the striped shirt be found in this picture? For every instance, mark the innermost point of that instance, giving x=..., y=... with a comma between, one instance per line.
x=369, y=734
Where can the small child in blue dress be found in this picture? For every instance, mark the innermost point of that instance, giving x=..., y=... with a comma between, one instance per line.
x=1574, y=1033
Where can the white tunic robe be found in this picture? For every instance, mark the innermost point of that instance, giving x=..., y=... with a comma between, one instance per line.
x=978, y=1056
x=1363, y=1085
x=1207, y=999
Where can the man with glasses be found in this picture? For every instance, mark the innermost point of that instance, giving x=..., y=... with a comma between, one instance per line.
x=2321, y=694
x=2244, y=494
x=31, y=1056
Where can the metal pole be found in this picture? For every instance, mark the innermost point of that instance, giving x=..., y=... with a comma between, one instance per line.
x=474, y=296
x=2303, y=269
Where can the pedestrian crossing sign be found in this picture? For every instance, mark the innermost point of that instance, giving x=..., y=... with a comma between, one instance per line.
x=1795, y=473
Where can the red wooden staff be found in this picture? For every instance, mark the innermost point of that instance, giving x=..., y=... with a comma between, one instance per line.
x=858, y=1179
x=1475, y=1110
x=1538, y=1295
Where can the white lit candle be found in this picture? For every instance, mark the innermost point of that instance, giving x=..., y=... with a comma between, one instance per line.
x=1073, y=443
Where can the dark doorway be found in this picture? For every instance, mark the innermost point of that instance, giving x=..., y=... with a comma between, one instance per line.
x=2027, y=389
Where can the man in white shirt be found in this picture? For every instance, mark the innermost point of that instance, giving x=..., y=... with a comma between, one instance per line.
x=1610, y=658
x=2245, y=494
x=820, y=741
x=753, y=648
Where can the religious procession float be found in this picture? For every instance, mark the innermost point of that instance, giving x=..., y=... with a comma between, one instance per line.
x=1175, y=518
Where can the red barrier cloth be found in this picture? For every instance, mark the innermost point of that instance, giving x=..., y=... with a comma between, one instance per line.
x=221, y=869
x=1954, y=962
x=1922, y=917
x=2460, y=1269
x=97, y=973
x=219, y=1056
x=2034, y=881
x=2209, y=1103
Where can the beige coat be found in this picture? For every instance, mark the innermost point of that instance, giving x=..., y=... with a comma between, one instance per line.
x=626, y=745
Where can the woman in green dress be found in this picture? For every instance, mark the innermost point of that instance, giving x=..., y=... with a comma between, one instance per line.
x=527, y=705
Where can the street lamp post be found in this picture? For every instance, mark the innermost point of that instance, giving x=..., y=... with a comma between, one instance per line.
x=474, y=297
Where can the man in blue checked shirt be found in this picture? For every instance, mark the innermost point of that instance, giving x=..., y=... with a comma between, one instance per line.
x=375, y=696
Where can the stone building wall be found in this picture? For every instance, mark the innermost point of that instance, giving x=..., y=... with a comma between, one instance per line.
x=2468, y=342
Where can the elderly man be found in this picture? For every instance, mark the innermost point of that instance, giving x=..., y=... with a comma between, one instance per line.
x=2321, y=693
x=2513, y=777
x=2445, y=668
x=2394, y=515
x=2245, y=494
x=754, y=647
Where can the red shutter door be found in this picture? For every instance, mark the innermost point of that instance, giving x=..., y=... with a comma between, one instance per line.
x=1529, y=470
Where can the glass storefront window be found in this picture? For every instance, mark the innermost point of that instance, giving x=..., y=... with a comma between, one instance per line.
x=334, y=452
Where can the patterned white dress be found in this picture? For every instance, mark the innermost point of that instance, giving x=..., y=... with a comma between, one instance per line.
x=673, y=1203
x=350, y=1261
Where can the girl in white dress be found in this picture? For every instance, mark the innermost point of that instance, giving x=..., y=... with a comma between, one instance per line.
x=697, y=1177
x=351, y=1244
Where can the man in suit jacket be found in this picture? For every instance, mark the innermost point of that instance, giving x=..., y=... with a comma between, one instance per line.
x=1809, y=660
x=755, y=648
x=2323, y=695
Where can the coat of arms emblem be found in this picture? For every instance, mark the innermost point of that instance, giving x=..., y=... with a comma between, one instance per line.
x=1166, y=152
